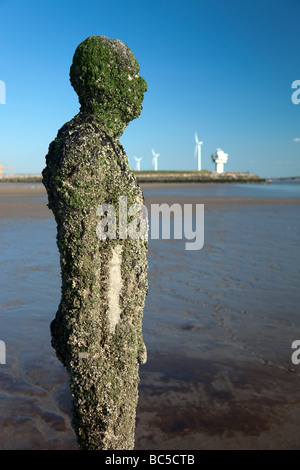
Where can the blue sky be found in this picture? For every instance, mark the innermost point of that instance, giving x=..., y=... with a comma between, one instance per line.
x=223, y=68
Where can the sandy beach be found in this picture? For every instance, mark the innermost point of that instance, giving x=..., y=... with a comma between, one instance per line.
x=218, y=325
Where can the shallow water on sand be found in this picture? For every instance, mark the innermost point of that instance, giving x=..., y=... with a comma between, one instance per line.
x=276, y=189
x=218, y=325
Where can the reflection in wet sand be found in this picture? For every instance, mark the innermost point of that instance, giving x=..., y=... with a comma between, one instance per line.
x=218, y=325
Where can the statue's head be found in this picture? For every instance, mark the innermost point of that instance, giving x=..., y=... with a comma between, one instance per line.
x=105, y=75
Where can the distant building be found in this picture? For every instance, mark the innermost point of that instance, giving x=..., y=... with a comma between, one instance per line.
x=219, y=158
x=4, y=168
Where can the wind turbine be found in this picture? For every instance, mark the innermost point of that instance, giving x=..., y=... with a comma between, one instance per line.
x=138, y=165
x=154, y=160
x=198, y=150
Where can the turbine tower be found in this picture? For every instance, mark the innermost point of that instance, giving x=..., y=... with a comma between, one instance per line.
x=198, y=151
x=154, y=160
x=138, y=163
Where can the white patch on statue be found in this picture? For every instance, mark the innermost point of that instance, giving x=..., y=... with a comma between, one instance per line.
x=115, y=284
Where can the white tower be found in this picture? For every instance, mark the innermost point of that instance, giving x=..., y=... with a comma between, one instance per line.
x=219, y=158
x=198, y=151
x=154, y=160
x=138, y=163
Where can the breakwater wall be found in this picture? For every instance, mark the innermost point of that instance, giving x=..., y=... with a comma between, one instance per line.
x=160, y=177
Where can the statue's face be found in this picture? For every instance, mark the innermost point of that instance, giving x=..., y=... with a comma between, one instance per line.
x=105, y=74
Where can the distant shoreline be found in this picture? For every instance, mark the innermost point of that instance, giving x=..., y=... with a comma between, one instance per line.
x=161, y=177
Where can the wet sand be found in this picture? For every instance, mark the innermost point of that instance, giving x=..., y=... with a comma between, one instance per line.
x=29, y=200
x=218, y=325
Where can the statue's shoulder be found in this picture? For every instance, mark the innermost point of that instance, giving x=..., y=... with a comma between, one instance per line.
x=78, y=132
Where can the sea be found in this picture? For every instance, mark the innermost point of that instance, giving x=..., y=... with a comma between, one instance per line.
x=219, y=324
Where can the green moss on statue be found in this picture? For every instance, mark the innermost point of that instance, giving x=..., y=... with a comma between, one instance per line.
x=97, y=330
x=105, y=75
